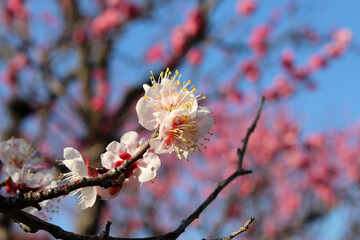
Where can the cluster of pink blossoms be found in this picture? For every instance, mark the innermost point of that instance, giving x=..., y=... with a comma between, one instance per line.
x=169, y=106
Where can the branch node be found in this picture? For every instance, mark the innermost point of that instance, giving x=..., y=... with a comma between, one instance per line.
x=27, y=228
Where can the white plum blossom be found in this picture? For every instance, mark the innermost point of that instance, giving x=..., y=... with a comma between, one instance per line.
x=18, y=153
x=23, y=164
x=141, y=171
x=27, y=179
x=78, y=170
x=173, y=107
x=181, y=133
x=165, y=96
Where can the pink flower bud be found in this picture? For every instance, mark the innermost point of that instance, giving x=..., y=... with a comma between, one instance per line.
x=194, y=56
x=155, y=53
x=246, y=7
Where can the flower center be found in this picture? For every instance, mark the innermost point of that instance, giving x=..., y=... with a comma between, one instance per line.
x=125, y=156
x=17, y=162
x=183, y=133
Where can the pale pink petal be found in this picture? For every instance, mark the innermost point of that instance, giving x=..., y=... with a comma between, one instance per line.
x=131, y=186
x=88, y=197
x=130, y=139
x=190, y=98
x=151, y=159
x=145, y=111
x=168, y=88
x=105, y=194
x=204, y=121
x=116, y=147
x=148, y=166
x=146, y=174
x=108, y=159
x=16, y=174
x=158, y=145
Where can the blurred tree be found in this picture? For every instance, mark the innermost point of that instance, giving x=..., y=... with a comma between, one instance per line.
x=72, y=72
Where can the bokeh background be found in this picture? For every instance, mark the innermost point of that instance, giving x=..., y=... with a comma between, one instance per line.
x=72, y=72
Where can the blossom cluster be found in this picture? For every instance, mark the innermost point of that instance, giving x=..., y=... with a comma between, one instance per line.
x=169, y=107
x=116, y=153
x=25, y=168
x=172, y=106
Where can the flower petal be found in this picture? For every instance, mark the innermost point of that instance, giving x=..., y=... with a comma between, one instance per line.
x=145, y=112
x=76, y=166
x=72, y=153
x=131, y=186
x=159, y=147
x=148, y=166
x=88, y=197
x=108, y=159
x=204, y=121
x=16, y=174
x=105, y=193
x=116, y=147
x=151, y=159
x=130, y=139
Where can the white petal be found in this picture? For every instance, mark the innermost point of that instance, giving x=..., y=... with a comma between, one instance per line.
x=108, y=159
x=72, y=153
x=158, y=145
x=130, y=139
x=152, y=160
x=131, y=186
x=116, y=147
x=146, y=87
x=145, y=111
x=186, y=97
x=88, y=197
x=105, y=194
x=76, y=166
x=148, y=166
x=16, y=174
x=204, y=121
x=168, y=89
x=146, y=174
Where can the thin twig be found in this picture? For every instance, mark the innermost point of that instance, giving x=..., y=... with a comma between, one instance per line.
x=241, y=152
x=241, y=230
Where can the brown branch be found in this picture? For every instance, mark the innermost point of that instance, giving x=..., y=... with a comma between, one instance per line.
x=241, y=151
x=241, y=230
x=34, y=224
x=22, y=200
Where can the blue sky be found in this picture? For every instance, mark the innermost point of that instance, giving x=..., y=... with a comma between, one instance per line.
x=335, y=103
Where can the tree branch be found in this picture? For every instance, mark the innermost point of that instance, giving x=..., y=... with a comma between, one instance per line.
x=241, y=230
x=23, y=200
x=34, y=224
